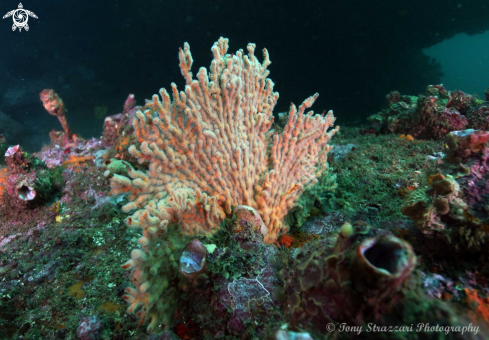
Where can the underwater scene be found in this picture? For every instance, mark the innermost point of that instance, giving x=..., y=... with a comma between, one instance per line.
x=154, y=185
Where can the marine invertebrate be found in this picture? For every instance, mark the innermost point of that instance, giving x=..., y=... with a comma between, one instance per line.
x=156, y=276
x=54, y=106
x=118, y=131
x=193, y=260
x=285, y=240
x=29, y=181
x=245, y=214
x=455, y=203
x=427, y=206
x=210, y=149
x=432, y=115
x=357, y=279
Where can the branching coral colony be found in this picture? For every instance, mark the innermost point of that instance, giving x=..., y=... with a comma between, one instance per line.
x=210, y=149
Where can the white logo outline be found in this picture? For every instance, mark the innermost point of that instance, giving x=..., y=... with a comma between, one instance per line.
x=20, y=17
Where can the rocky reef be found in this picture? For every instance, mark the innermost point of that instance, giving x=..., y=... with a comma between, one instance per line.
x=398, y=250
x=432, y=115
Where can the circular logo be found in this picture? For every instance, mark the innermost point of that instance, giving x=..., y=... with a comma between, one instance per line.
x=20, y=17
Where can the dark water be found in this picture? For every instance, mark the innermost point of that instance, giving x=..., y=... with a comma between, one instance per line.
x=95, y=53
